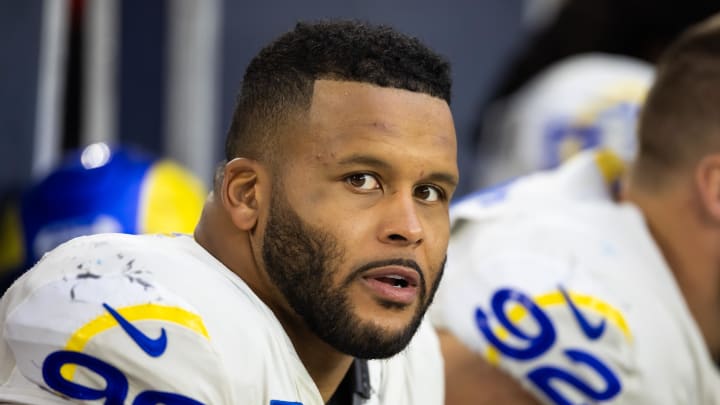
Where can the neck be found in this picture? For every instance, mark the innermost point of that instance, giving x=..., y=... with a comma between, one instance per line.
x=233, y=247
x=325, y=364
x=688, y=241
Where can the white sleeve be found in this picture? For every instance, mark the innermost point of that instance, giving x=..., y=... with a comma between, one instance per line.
x=90, y=323
x=528, y=306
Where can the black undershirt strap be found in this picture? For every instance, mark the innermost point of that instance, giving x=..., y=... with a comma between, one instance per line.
x=355, y=388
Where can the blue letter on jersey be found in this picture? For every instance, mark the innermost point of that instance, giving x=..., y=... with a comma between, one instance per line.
x=116, y=385
x=544, y=376
x=537, y=345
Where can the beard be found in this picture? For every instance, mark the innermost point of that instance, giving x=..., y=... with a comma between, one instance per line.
x=301, y=260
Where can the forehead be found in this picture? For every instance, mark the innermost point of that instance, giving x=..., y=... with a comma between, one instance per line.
x=358, y=118
x=347, y=103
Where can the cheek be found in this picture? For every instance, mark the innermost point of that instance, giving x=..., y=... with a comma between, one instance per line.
x=437, y=235
x=322, y=203
x=303, y=187
x=317, y=197
x=346, y=219
x=437, y=225
x=354, y=240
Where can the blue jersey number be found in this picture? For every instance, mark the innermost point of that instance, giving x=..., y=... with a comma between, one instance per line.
x=536, y=345
x=543, y=376
x=116, y=384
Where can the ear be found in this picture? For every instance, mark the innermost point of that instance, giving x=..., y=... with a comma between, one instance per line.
x=707, y=176
x=242, y=191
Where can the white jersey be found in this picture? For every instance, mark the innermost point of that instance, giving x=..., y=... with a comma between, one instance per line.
x=583, y=101
x=565, y=289
x=124, y=319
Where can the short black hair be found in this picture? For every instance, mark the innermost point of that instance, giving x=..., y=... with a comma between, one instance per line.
x=280, y=79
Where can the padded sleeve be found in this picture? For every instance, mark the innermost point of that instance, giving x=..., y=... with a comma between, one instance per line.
x=528, y=305
x=92, y=321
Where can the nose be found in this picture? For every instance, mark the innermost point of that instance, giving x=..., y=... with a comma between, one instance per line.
x=401, y=224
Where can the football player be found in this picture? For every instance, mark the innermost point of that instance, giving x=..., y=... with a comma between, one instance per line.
x=314, y=261
x=583, y=299
x=585, y=101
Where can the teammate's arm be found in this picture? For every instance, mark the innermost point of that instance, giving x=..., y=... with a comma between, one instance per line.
x=469, y=379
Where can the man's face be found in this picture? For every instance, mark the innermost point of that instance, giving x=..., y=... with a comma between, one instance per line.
x=358, y=226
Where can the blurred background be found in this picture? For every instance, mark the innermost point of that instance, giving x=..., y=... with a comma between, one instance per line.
x=163, y=74
x=113, y=112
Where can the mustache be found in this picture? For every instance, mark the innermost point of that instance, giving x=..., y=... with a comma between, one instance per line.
x=409, y=263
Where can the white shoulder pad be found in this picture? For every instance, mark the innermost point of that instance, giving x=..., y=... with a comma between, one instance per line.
x=90, y=323
x=536, y=313
x=581, y=102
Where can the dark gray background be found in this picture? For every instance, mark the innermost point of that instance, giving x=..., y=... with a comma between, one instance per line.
x=476, y=36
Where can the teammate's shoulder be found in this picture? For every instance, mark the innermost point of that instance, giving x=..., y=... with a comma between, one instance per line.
x=606, y=66
x=572, y=83
x=589, y=176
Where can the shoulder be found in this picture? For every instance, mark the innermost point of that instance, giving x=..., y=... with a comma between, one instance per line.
x=110, y=266
x=101, y=253
x=583, y=101
x=146, y=314
x=544, y=321
x=584, y=76
x=589, y=177
x=569, y=305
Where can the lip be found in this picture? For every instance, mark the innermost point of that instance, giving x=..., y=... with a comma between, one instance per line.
x=378, y=280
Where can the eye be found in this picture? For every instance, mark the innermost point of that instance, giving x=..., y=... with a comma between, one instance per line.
x=363, y=181
x=429, y=193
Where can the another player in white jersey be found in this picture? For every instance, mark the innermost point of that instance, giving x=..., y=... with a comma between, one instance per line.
x=559, y=285
x=582, y=102
x=585, y=299
x=312, y=266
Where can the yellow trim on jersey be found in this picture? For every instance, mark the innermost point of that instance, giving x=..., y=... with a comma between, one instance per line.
x=602, y=308
x=143, y=312
x=610, y=165
x=629, y=91
x=623, y=92
x=171, y=200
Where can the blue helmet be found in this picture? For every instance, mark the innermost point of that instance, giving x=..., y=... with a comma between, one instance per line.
x=98, y=189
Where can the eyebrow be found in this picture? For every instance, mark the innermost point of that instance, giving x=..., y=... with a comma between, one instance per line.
x=440, y=177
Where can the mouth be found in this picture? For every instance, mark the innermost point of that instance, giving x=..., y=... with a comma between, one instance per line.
x=395, y=284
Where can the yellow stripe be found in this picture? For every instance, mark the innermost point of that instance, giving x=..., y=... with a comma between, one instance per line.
x=171, y=201
x=610, y=165
x=141, y=312
x=518, y=312
x=633, y=92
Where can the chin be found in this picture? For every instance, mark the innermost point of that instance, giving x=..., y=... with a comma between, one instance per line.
x=391, y=319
